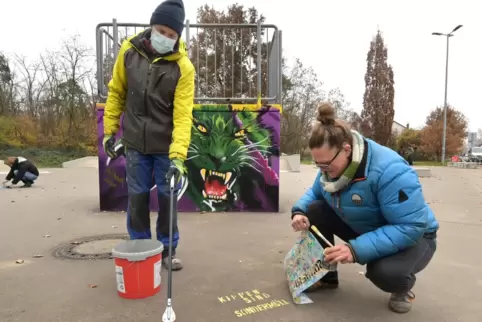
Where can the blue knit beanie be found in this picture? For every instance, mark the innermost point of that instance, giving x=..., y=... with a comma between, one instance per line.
x=170, y=13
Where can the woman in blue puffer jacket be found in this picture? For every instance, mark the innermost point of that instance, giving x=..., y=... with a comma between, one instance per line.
x=368, y=196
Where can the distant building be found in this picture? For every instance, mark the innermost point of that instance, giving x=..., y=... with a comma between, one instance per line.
x=471, y=140
x=398, y=128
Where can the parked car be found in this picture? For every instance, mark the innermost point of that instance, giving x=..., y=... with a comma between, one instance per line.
x=475, y=154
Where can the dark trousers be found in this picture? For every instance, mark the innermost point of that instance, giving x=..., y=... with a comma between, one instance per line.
x=410, y=159
x=144, y=172
x=392, y=274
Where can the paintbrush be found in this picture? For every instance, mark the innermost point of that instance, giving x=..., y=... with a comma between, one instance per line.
x=321, y=236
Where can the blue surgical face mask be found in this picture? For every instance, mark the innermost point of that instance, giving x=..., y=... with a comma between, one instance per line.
x=161, y=43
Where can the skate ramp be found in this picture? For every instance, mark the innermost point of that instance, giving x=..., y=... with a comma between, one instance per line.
x=284, y=165
x=247, y=180
x=290, y=163
x=87, y=162
x=423, y=172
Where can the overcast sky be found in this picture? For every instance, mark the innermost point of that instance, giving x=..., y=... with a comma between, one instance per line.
x=331, y=36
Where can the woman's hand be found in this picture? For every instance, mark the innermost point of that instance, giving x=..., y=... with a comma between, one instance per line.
x=300, y=222
x=338, y=254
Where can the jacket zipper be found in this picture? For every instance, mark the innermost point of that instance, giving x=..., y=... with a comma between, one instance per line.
x=145, y=104
x=336, y=200
x=145, y=90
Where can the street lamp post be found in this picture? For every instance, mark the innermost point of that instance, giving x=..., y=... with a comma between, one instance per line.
x=451, y=34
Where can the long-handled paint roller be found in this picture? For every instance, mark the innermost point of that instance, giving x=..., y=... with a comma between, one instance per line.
x=169, y=314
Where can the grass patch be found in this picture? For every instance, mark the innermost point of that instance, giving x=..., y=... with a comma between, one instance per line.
x=430, y=163
x=416, y=163
x=44, y=158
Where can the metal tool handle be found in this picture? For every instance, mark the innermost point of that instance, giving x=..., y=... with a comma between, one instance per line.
x=172, y=184
x=169, y=314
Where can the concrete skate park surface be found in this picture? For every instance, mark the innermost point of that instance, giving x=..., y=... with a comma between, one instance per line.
x=87, y=162
x=225, y=256
x=3, y=168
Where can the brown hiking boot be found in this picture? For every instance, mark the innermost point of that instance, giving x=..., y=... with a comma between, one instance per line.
x=401, y=302
x=329, y=281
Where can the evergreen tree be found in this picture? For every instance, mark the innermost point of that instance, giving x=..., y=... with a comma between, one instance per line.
x=378, y=100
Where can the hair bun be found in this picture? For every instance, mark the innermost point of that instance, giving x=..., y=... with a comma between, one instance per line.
x=326, y=114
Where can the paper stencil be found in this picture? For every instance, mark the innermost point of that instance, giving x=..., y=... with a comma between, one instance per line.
x=304, y=266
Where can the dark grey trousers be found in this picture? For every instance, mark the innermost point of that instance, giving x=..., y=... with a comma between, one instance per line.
x=392, y=274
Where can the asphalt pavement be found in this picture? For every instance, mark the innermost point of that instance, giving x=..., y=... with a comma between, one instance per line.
x=233, y=261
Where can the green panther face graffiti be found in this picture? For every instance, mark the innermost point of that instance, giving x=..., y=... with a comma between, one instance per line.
x=221, y=155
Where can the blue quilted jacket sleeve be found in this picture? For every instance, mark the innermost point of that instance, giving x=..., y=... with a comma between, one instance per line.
x=312, y=194
x=399, y=194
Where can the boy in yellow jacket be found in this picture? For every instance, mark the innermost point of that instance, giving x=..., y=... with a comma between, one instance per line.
x=153, y=85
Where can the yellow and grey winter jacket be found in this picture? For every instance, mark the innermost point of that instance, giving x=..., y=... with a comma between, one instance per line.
x=156, y=95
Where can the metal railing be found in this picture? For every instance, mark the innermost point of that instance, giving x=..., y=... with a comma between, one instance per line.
x=233, y=62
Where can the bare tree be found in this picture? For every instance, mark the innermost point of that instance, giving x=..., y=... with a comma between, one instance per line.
x=72, y=58
x=299, y=107
x=342, y=107
x=225, y=58
x=51, y=109
x=31, y=86
x=51, y=102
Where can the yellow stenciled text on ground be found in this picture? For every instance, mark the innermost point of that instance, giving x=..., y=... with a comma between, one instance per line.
x=259, y=302
x=248, y=297
x=260, y=308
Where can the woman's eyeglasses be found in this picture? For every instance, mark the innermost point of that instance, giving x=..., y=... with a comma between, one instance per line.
x=326, y=165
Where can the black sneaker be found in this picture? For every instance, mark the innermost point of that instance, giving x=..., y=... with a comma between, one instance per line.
x=329, y=281
x=27, y=184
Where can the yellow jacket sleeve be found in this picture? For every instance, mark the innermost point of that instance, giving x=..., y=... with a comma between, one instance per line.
x=117, y=93
x=183, y=105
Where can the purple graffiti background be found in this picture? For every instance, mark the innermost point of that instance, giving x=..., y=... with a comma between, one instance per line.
x=113, y=187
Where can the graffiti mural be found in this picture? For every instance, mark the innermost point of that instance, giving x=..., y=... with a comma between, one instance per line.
x=233, y=162
x=112, y=183
x=230, y=159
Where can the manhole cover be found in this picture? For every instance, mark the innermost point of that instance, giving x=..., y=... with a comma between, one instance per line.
x=89, y=248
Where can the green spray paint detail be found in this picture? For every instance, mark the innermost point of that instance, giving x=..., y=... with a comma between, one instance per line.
x=220, y=158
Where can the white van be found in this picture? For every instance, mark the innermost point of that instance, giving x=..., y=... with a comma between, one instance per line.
x=476, y=153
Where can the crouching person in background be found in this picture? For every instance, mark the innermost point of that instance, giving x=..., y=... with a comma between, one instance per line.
x=20, y=170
